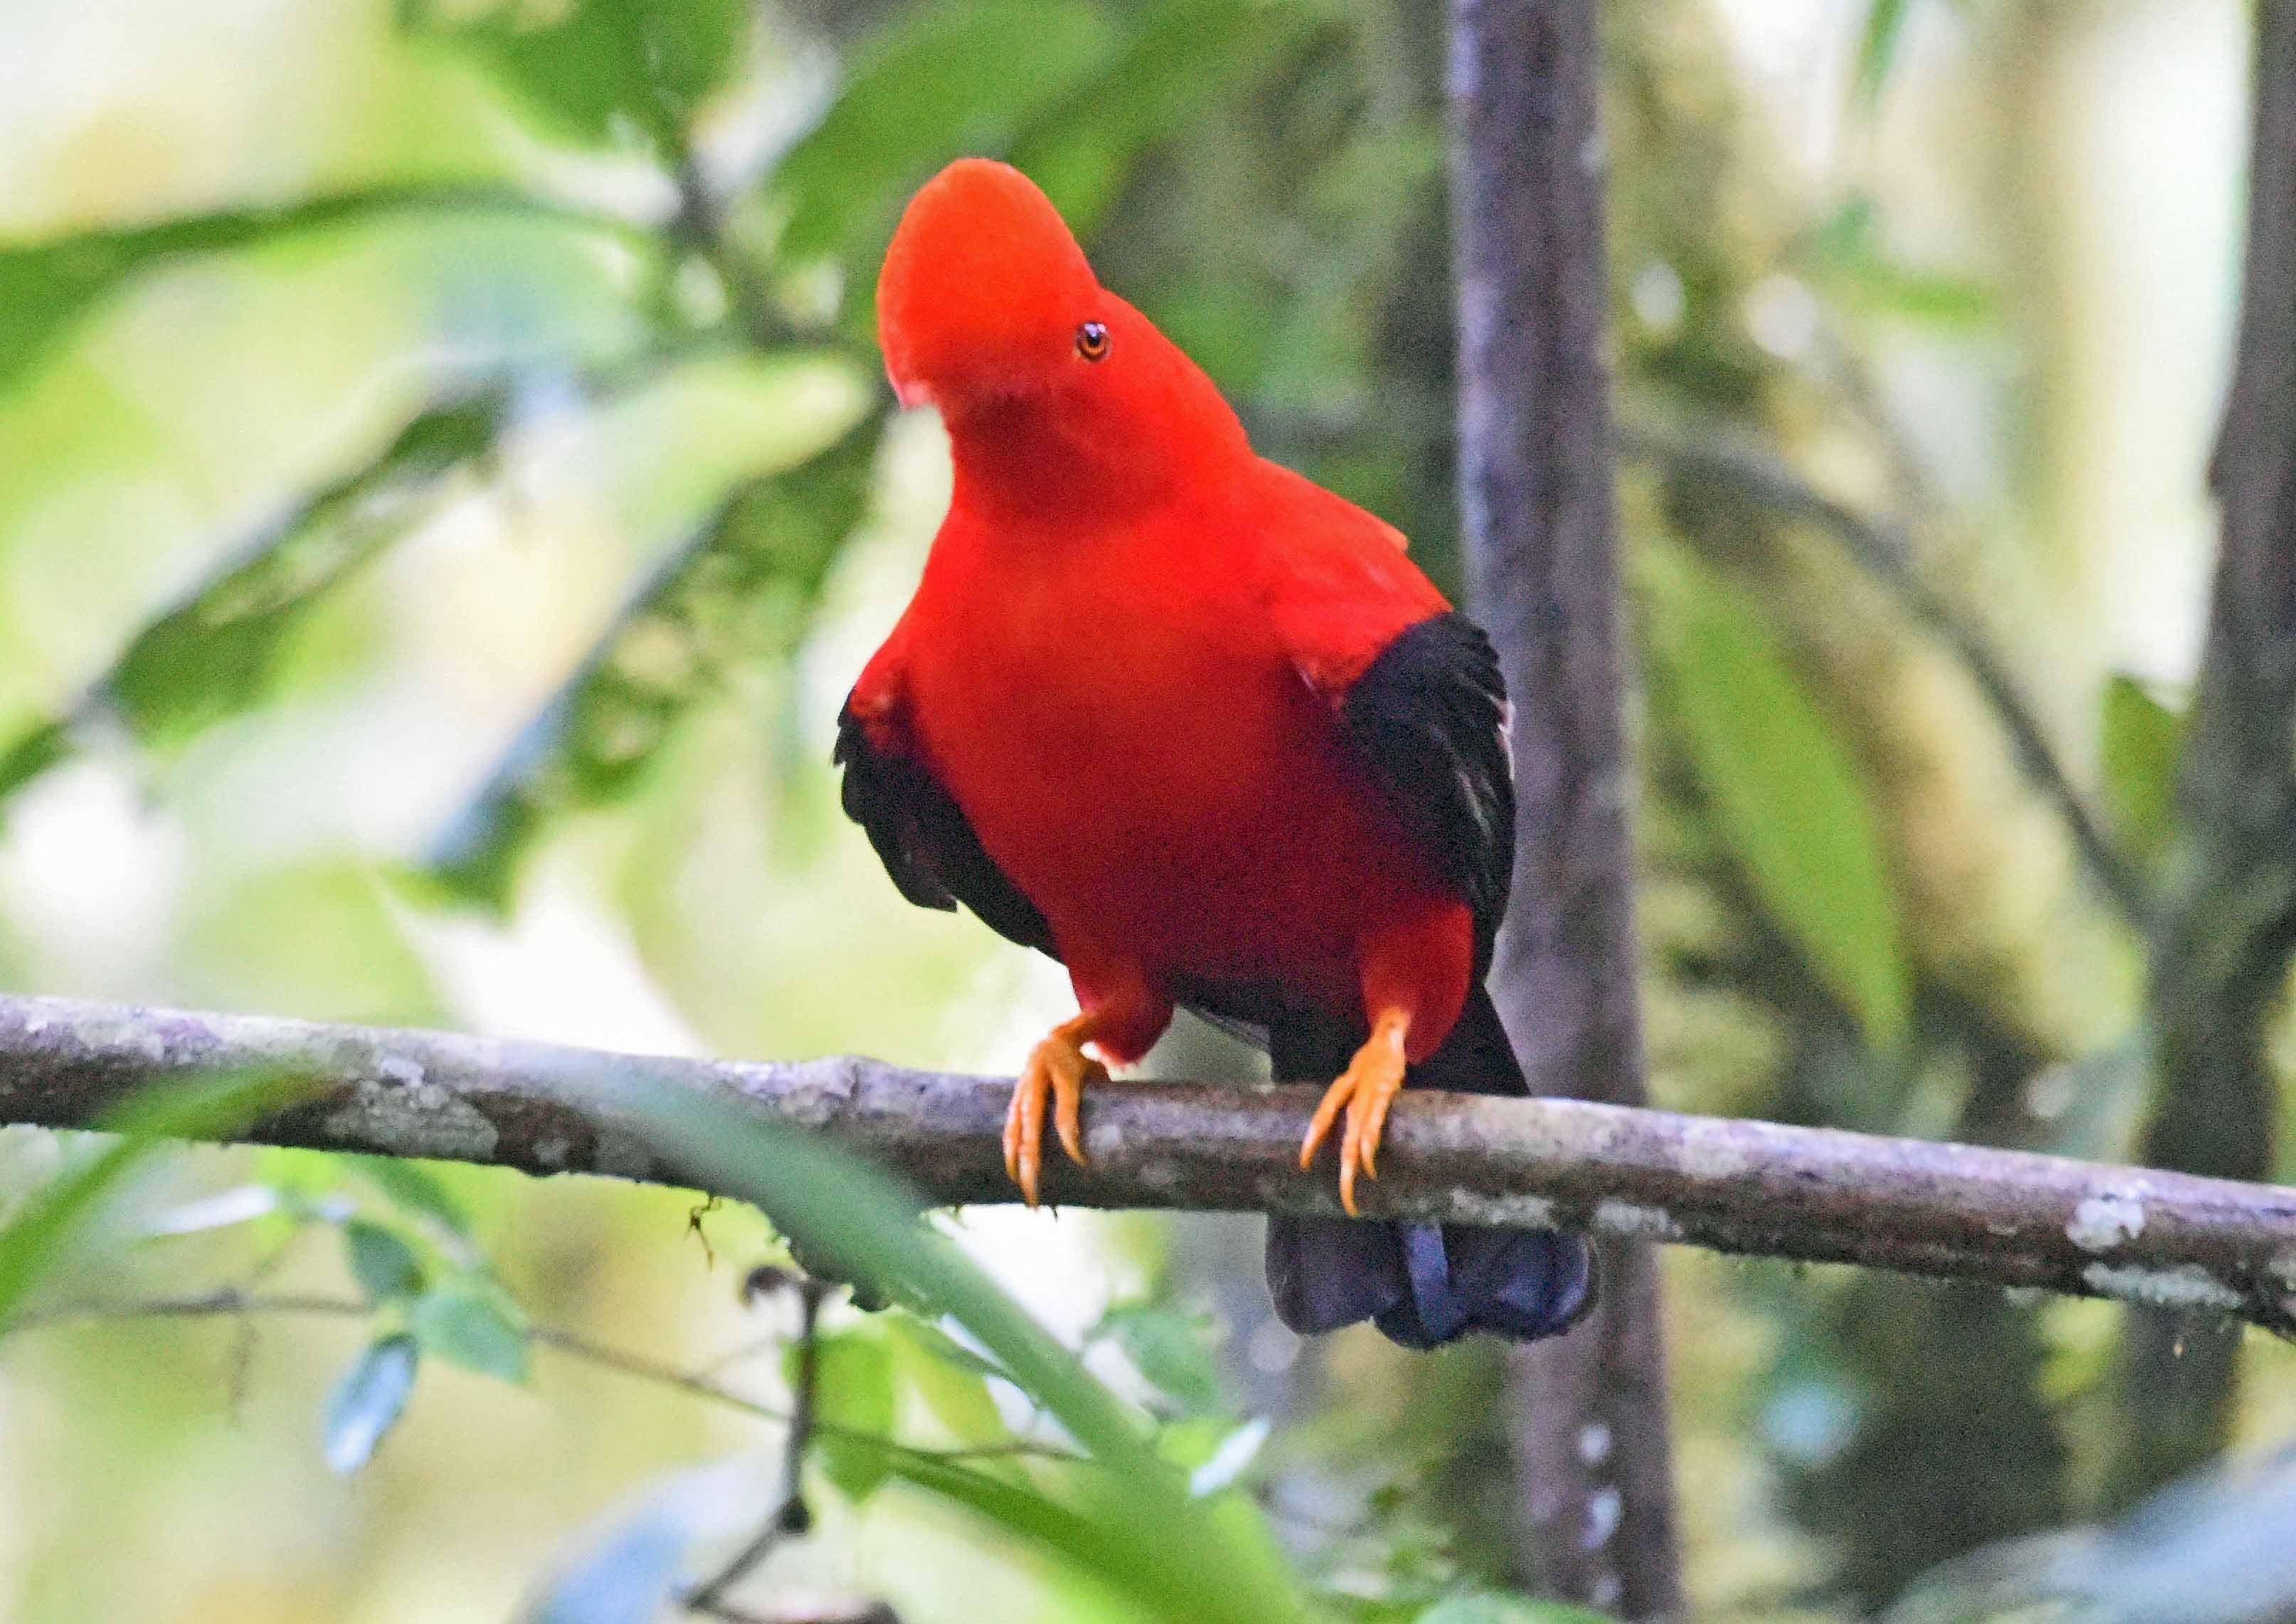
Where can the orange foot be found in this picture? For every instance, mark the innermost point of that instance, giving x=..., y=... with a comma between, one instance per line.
x=1368, y=1088
x=1058, y=1067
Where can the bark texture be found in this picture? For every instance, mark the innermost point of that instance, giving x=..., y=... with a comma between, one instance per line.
x=2220, y=958
x=1963, y=1212
x=1534, y=468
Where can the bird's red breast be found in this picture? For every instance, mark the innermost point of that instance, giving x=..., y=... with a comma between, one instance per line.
x=1126, y=655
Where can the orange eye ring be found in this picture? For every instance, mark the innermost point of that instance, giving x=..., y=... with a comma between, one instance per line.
x=1092, y=341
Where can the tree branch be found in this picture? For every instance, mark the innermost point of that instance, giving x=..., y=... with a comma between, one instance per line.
x=2006, y=1218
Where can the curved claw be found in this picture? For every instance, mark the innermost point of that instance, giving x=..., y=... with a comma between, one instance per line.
x=1057, y=1068
x=1365, y=1090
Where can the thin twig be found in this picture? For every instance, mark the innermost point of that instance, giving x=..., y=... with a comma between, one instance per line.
x=238, y=1303
x=700, y=223
x=790, y=1517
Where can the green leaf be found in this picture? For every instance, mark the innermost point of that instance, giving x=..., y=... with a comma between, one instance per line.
x=1847, y=251
x=1939, y=299
x=853, y=1393
x=951, y=1380
x=1179, y=58
x=597, y=71
x=1877, y=49
x=931, y=1341
x=45, y=745
x=738, y=590
x=368, y=1401
x=942, y=80
x=1212, y=1561
x=1784, y=794
x=1170, y=1349
x=1491, y=1608
x=2139, y=743
x=469, y=1326
x=1093, y=1535
x=50, y=1224
x=213, y=653
x=216, y=653
x=416, y=1188
x=309, y=931
x=386, y=1267
x=46, y=287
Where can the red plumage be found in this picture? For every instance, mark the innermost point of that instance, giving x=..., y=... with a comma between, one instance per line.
x=1152, y=707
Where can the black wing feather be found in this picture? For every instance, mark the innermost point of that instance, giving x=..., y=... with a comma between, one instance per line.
x=1429, y=719
x=928, y=846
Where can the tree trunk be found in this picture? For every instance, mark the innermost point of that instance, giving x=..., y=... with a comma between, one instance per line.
x=1591, y=1445
x=2221, y=956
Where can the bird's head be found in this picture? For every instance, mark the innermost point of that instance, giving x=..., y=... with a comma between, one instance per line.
x=985, y=292
x=986, y=303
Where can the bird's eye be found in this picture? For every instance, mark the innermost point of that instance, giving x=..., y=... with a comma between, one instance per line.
x=1092, y=341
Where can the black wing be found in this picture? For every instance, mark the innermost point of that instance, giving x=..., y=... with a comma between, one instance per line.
x=927, y=846
x=1429, y=719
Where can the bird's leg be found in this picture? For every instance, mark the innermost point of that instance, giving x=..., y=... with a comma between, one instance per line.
x=1369, y=1085
x=1057, y=1067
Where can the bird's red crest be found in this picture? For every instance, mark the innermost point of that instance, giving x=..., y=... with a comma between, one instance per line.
x=983, y=288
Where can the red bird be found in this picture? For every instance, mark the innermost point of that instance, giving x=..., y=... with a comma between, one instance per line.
x=1199, y=729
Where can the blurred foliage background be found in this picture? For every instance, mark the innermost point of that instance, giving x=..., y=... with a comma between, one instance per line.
x=446, y=486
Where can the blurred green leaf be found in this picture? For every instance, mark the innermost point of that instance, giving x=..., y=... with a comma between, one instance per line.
x=1488, y=1609
x=1847, y=252
x=467, y=1326
x=853, y=1393
x=46, y=287
x=951, y=1380
x=34, y=753
x=42, y=1233
x=1785, y=795
x=1170, y=1349
x=215, y=653
x=368, y=1401
x=315, y=933
x=1933, y=298
x=416, y=1188
x=600, y=71
x=1136, y=1561
x=2139, y=742
x=938, y=81
x=738, y=589
x=385, y=1267
x=46, y=1228
x=1180, y=57
x=1877, y=49
x=1209, y=1560
x=931, y=1340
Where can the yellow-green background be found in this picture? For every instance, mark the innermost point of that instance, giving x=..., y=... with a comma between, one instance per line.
x=1967, y=266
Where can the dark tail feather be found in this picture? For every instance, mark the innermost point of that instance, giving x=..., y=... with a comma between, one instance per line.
x=1423, y=1284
